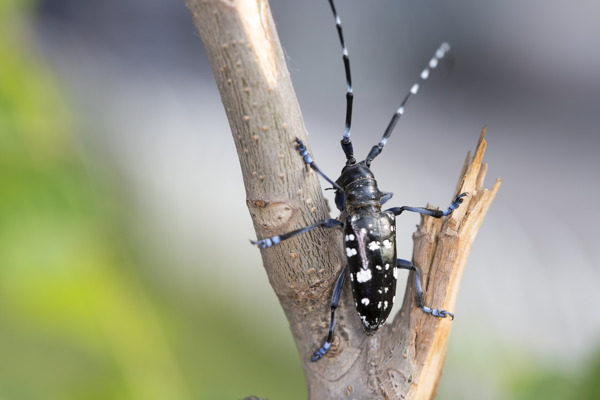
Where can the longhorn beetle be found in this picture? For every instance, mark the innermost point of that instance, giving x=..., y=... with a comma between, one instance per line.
x=369, y=232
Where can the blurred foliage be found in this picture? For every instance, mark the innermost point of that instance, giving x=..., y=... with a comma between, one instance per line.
x=511, y=372
x=588, y=387
x=74, y=323
x=536, y=381
x=77, y=320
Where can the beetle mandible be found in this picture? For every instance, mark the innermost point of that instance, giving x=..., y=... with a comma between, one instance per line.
x=369, y=232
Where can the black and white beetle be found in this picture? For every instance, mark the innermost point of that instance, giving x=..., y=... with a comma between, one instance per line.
x=369, y=232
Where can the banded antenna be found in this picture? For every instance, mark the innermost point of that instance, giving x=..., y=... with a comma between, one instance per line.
x=376, y=150
x=433, y=63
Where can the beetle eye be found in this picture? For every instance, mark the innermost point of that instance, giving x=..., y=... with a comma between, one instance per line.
x=340, y=199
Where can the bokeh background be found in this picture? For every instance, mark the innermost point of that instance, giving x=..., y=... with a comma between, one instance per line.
x=125, y=268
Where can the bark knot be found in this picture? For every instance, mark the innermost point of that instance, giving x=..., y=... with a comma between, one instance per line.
x=270, y=215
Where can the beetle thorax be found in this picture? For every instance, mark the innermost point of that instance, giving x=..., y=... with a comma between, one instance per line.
x=360, y=189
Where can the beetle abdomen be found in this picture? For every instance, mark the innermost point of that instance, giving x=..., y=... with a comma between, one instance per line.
x=370, y=244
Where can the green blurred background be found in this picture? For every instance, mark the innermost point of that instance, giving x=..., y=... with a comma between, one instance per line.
x=125, y=271
x=79, y=316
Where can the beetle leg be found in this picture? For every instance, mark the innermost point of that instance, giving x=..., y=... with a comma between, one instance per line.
x=335, y=299
x=309, y=161
x=455, y=203
x=405, y=264
x=428, y=211
x=270, y=241
x=386, y=197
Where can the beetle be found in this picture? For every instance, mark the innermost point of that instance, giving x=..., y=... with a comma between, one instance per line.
x=369, y=236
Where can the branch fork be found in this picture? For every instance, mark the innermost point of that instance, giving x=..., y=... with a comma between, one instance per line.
x=404, y=359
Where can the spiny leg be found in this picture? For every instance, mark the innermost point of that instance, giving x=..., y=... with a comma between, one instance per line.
x=346, y=142
x=427, y=211
x=270, y=241
x=335, y=299
x=310, y=162
x=405, y=264
x=439, y=54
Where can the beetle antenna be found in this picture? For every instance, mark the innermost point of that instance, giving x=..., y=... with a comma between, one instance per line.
x=346, y=142
x=433, y=63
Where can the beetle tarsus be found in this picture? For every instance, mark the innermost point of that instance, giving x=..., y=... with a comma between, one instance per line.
x=455, y=203
x=437, y=313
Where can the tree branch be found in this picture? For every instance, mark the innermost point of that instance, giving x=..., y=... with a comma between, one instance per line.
x=404, y=359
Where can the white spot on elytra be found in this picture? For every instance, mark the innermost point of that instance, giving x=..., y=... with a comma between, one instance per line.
x=349, y=238
x=350, y=252
x=387, y=244
x=385, y=289
x=374, y=246
x=393, y=299
x=363, y=275
x=378, y=267
x=395, y=273
x=385, y=304
x=387, y=266
x=352, y=277
x=365, y=301
x=379, y=305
